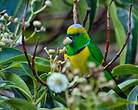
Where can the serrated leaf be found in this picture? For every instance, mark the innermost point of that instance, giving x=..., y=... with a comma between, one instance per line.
x=125, y=69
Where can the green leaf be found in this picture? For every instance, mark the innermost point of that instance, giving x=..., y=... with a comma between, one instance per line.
x=18, y=104
x=92, y=5
x=60, y=100
x=19, y=84
x=125, y=85
x=125, y=69
x=132, y=97
x=132, y=42
x=8, y=53
x=42, y=65
x=119, y=31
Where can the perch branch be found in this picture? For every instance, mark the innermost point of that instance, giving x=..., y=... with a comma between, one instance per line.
x=107, y=33
x=126, y=41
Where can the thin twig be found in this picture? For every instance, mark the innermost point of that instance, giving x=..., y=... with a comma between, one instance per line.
x=127, y=39
x=107, y=33
x=75, y=14
x=23, y=34
x=86, y=16
x=33, y=67
x=25, y=50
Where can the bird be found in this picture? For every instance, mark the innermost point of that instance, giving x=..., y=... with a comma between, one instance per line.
x=81, y=49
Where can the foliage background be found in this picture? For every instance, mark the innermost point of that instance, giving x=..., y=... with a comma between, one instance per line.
x=56, y=20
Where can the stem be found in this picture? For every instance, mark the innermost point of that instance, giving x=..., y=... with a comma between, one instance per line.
x=25, y=51
x=107, y=33
x=41, y=9
x=127, y=39
x=33, y=67
x=75, y=14
x=31, y=36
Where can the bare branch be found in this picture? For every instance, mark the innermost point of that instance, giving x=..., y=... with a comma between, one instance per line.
x=107, y=33
x=127, y=39
x=25, y=50
x=75, y=13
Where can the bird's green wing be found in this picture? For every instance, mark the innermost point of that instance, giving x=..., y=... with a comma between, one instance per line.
x=97, y=57
x=95, y=52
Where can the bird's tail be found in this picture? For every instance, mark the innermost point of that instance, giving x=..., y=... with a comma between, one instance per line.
x=109, y=76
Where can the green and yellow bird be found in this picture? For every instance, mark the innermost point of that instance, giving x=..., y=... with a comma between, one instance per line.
x=81, y=49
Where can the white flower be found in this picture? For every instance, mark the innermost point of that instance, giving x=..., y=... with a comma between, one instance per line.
x=57, y=82
x=6, y=38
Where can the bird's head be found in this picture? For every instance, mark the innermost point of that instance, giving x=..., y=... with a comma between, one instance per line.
x=76, y=39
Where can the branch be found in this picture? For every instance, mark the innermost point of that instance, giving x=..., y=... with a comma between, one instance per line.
x=23, y=34
x=127, y=39
x=75, y=14
x=107, y=33
x=33, y=67
x=25, y=50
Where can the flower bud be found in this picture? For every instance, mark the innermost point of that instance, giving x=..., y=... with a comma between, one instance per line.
x=76, y=92
x=15, y=20
x=51, y=51
x=48, y=3
x=37, y=24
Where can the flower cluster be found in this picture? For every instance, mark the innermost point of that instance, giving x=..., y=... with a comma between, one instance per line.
x=57, y=82
x=6, y=36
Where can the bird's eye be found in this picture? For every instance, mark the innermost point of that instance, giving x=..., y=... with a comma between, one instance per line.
x=77, y=34
x=70, y=37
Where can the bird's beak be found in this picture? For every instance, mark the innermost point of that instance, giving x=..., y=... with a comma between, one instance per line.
x=67, y=41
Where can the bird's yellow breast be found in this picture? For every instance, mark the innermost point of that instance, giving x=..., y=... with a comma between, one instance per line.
x=80, y=60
